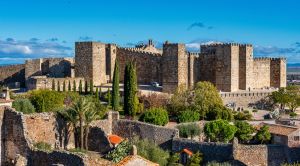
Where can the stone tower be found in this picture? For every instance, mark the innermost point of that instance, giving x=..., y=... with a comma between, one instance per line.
x=111, y=54
x=278, y=72
x=90, y=62
x=245, y=66
x=174, y=67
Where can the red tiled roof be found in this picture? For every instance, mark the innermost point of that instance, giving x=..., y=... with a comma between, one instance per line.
x=136, y=160
x=279, y=129
x=187, y=151
x=114, y=139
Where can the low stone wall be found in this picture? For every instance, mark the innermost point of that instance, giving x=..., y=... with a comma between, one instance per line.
x=211, y=151
x=251, y=154
x=160, y=135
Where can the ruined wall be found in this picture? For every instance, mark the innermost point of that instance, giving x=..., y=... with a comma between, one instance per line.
x=11, y=74
x=46, y=83
x=261, y=72
x=148, y=64
x=160, y=135
x=278, y=72
x=212, y=151
x=90, y=61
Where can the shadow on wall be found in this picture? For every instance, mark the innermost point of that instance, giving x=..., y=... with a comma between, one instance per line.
x=10, y=81
x=98, y=141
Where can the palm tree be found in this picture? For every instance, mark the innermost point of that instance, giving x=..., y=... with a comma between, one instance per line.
x=80, y=108
x=72, y=119
x=90, y=116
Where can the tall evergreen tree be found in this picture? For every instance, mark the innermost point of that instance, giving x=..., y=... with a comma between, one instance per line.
x=58, y=86
x=74, y=86
x=115, y=88
x=53, y=84
x=69, y=86
x=100, y=92
x=108, y=97
x=130, y=90
x=86, y=87
x=64, y=86
x=97, y=93
x=91, y=87
x=80, y=87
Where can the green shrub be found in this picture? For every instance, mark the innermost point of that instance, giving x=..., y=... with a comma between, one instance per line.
x=23, y=105
x=242, y=116
x=196, y=159
x=189, y=130
x=78, y=150
x=151, y=151
x=120, y=152
x=219, y=112
x=157, y=116
x=219, y=131
x=293, y=114
x=244, y=131
x=263, y=135
x=254, y=110
x=43, y=146
x=215, y=163
x=188, y=116
x=46, y=100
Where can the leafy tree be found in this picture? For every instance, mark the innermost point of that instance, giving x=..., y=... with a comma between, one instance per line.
x=120, y=152
x=196, y=159
x=91, y=87
x=74, y=86
x=188, y=116
x=219, y=112
x=263, y=135
x=180, y=101
x=58, y=86
x=53, y=84
x=157, y=116
x=149, y=150
x=46, y=100
x=130, y=90
x=69, y=86
x=86, y=87
x=219, y=130
x=174, y=160
x=189, y=130
x=64, y=86
x=115, y=88
x=23, y=105
x=80, y=87
x=242, y=116
x=244, y=131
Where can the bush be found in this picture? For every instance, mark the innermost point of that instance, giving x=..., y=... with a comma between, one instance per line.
x=151, y=151
x=78, y=150
x=254, y=110
x=157, y=116
x=219, y=112
x=23, y=105
x=43, y=146
x=120, y=152
x=196, y=159
x=189, y=130
x=219, y=131
x=188, y=116
x=263, y=135
x=242, y=116
x=46, y=100
x=214, y=163
x=293, y=114
x=70, y=97
x=244, y=131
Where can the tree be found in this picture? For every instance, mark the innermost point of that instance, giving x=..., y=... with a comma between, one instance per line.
x=74, y=86
x=115, y=88
x=108, y=97
x=86, y=87
x=120, y=152
x=53, y=84
x=196, y=159
x=69, y=86
x=180, y=101
x=242, y=116
x=97, y=93
x=263, y=135
x=219, y=131
x=219, y=112
x=189, y=130
x=244, y=131
x=46, y=100
x=80, y=87
x=64, y=86
x=130, y=90
x=174, y=160
x=91, y=87
x=58, y=86
x=23, y=105
x=157, y=116
x=281, y=97
x=188, y=116
x=100, y=92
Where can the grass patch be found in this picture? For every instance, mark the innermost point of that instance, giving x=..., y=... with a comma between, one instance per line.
x=43, y=146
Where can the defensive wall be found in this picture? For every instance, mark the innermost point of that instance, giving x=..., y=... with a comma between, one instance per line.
x=12, y=74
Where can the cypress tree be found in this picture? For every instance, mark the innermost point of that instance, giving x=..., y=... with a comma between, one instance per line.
x=91, y=87
x=97, y=93
x=74, y=86
x=80, y=87
x=53, y=84
x=64, y=86
x=130, y=90
x=100, y=92
x=108, y=97
x=85, y=87
x=115, y=88
x=58, y=86
x=69, y=86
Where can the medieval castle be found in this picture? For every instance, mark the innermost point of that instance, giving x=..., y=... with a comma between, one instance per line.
x=231, y=67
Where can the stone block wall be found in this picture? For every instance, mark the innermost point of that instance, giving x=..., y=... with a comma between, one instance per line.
x=261, y=72
x=46, y=83
x=111, y=55
x=245, y=67
x=11, y=74
x=278, y=72
x=148, y=64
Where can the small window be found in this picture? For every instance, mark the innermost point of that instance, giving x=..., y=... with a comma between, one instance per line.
x=296, y=138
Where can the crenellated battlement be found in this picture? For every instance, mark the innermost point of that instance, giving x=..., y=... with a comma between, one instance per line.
x=196, y=54
x=269, y=59
x=139, y=50
x=228, y=44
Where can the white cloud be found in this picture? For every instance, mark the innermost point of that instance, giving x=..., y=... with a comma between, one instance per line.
x=12, y=48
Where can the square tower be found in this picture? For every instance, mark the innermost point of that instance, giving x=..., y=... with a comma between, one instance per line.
x=90, y=62
x=246, y=67
x=175, y=67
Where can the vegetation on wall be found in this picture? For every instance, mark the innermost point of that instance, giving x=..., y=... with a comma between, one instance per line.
x=23, y=105
x=46, y=100
x=189, y=130
x=157, y=116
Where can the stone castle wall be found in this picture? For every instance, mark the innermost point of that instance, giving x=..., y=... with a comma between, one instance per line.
x=261, y=69
x=46, y=83
x=11, y=74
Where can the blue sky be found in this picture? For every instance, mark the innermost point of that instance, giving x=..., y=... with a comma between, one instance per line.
x=49, y=28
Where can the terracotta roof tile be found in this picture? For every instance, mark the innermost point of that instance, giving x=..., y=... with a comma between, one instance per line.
x=187, y=151
x=136, y=160
x=114, y=139
x=279, y=129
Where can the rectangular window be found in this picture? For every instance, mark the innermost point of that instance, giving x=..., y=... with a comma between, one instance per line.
x=296, y=138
